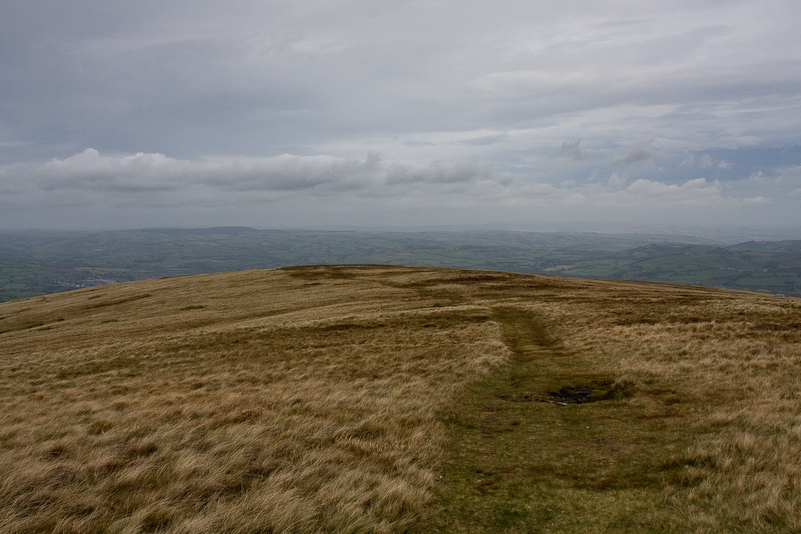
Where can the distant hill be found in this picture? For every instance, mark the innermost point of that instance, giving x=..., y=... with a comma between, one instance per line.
x=769, y=247
x=37, y=262
x=399, y=399
x=771, y=267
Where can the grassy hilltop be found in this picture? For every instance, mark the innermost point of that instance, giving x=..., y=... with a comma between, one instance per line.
x=399, y=399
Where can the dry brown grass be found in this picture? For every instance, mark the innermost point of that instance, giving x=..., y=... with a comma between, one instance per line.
x=390, y=399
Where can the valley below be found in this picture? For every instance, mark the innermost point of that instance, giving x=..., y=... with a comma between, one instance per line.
x=41, y=262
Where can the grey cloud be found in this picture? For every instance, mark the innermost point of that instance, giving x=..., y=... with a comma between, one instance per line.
x=573, y=150
x=283, y=173
x=156, y=172
x=419, y=143
x=441, y=172
x=691, y=191
x=190, y=79
x=486, y=139
x=90, y=183
x=91, y=171
x=635, y=153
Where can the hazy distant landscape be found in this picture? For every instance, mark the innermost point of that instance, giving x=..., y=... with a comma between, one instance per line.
x=40, y=262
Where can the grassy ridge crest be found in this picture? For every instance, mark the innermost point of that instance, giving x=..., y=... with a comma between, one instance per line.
x=399, y=399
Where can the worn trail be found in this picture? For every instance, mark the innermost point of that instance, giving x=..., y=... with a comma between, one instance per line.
x=529, y=457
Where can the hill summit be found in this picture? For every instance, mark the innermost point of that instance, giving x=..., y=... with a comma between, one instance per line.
x=398, y=399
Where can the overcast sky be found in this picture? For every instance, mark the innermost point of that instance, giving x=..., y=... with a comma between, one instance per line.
x=524, y=114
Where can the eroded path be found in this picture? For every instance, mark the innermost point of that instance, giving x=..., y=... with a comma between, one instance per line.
x=532, y=451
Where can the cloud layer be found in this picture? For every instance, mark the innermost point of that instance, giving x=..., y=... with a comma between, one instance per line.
x=289, y=190
x=349, y=109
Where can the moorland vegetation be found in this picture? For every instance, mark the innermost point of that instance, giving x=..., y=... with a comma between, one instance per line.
x=399, y=399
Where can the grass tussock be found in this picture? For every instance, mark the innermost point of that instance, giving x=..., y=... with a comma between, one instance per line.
x=390, y=399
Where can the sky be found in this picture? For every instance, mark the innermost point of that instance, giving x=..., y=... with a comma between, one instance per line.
x=400, y=114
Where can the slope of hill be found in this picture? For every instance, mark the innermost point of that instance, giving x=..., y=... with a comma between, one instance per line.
x=397, y=399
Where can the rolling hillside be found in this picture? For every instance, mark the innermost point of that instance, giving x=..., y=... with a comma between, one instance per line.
x=399, y=399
